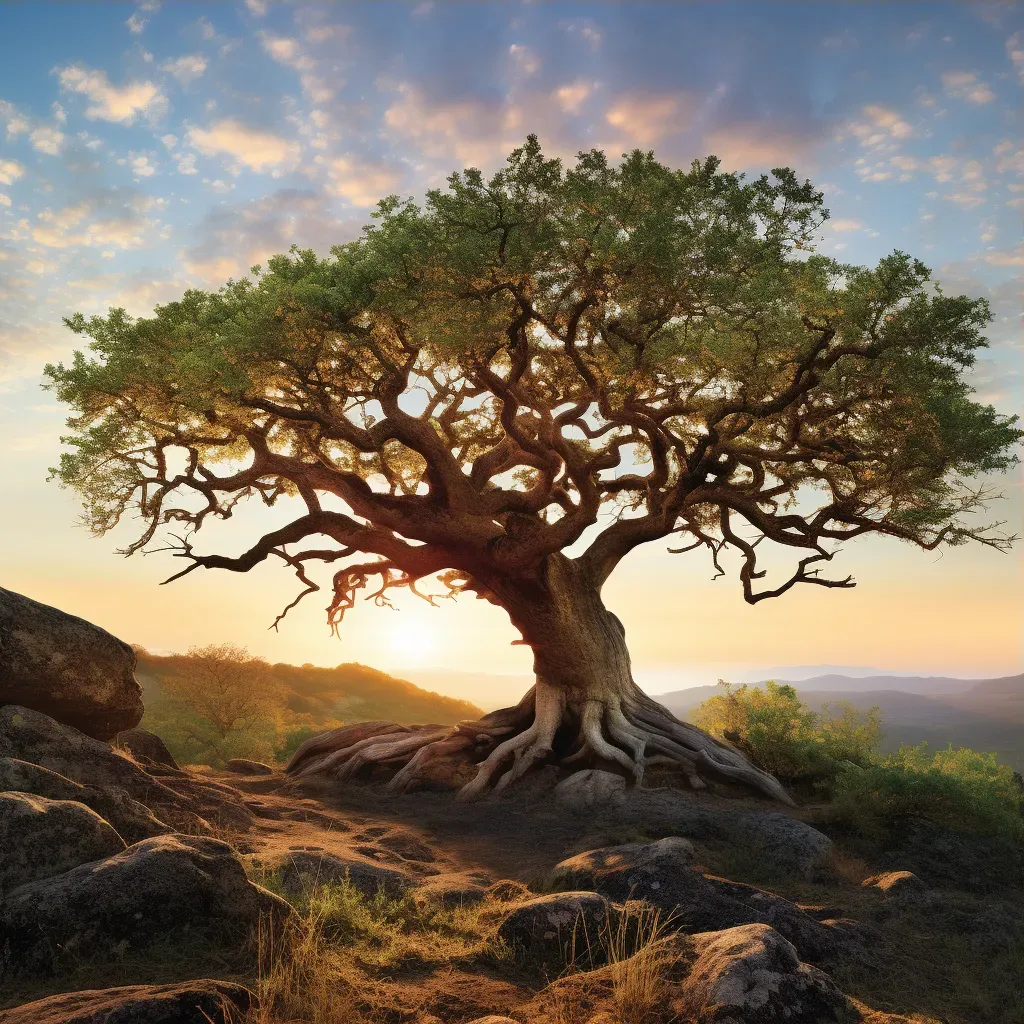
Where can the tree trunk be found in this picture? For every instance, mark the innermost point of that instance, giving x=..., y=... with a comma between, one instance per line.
x=585, y=707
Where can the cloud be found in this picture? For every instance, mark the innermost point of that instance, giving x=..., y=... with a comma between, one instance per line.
x=141, y=167
x=260, y=151
x=361, y=182
x=10, y=171
x=257, y=8
x=644, y=118
x=5, y=200
x=965, y=85
x=1011, y=258
x=233, y=238
x=47, y=140
x=525, y=59
x=1015, y=51
x=845, y=225
x=14, y=123
x=571, y=97
x=113, y=217
x=286, y=51
x=476, y=131
x=756, y=144
x=879, y=127
x=965, y=200
x=109, y=103
x=137, y=23
x=185, y=69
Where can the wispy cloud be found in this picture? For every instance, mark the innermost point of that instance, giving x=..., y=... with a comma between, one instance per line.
x=109, y=102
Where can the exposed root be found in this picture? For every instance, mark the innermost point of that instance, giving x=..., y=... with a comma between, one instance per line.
x=547, y=726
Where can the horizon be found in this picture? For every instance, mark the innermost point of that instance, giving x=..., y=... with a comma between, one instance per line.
x=148, y=149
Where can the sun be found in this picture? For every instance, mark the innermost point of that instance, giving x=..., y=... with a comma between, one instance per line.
x=411, y=640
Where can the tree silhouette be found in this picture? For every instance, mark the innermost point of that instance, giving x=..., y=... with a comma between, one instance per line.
x=512, y=388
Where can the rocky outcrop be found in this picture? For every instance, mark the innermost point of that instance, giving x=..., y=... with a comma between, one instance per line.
x=752, y=975
x=40, y=838
x=781, y=843
x=145, y=747
x=66, y=668
x=189, y=1002
x=185, y=802
x=661, y=873
x=132, y=821
x=155, y=888
x=564, y=928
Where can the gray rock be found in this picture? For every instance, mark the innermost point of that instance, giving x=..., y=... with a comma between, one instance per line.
x=132, y=820
x=302, y=869
x=190, y=1002
x=590, y=790
x=785, y=844
x=66, y=667
x=560, y=929
x=660, y=873
x=145, y=746
x=41, y=837
x=243, y=766
x=752, y=975
x=32, y=736
x=901, y=887
x=162, y=886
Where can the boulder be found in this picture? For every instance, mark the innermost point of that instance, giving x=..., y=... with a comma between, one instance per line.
x=145, y=747
x=41, y=837
x=783, y=844
x=752, y=975
x=590, y=790
x=560, y=929
x=902, y=887
x=243, y=766
x=190, y=805
x=167, y=885
x=302, y=869
x=188, y=1002
x=661, y=873
x=32, y=736
x=132, y=820
x=66, y=668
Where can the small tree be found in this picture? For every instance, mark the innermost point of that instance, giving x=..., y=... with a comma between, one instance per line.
x=226, y=687
x=546, y=362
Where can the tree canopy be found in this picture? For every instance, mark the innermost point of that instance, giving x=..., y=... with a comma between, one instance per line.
x=614, y=354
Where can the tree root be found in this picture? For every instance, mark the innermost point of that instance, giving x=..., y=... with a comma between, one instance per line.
x=547, y=726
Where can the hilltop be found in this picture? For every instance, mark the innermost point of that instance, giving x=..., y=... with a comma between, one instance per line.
x=985, y=714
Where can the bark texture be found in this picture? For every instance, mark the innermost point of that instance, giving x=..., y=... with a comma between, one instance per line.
x=584, y=708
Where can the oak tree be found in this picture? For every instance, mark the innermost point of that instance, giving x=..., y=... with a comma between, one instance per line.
x=513, y=386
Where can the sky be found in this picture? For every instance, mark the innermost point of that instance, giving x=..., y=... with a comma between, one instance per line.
x=148, y=148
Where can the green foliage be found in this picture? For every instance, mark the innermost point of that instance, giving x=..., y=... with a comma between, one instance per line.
x=306, y=700
x=966, y=791
x=782, y=735
x=669, y=304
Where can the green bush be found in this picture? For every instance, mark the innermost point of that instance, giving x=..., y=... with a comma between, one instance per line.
x=783, y=736
x=966, y=791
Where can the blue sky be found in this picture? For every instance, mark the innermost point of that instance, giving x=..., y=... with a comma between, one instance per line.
x=145, y=149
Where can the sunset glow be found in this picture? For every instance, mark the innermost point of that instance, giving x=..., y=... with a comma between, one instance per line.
x=151, y=149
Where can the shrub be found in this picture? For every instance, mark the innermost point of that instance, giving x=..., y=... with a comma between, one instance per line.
x=961, y=789
x=783, y=736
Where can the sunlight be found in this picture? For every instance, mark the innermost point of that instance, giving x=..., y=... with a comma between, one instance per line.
x=411, y=640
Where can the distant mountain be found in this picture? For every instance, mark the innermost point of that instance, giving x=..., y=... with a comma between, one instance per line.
x=491, y=690
x=349, y=692
x=986, y=716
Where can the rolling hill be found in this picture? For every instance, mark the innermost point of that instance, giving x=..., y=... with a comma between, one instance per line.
x=986, y=715
x=349, y=692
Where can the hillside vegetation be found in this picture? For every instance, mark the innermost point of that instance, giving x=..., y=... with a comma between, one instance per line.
x=984, y=715
x=295, y=702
